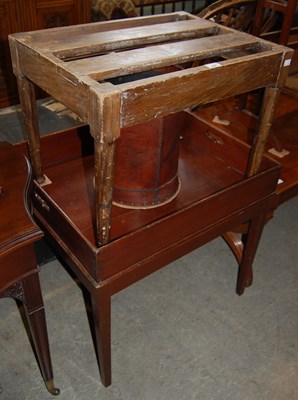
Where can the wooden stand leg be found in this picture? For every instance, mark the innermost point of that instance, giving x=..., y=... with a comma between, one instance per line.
x=104, y=163
x=250, y=241
x=28, y=103
x=270, y=100
x=101, y=305
x=105, y=116
x=34, y=308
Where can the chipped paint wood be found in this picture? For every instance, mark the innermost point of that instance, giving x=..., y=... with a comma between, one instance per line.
x=76, y=66
x=265, y=120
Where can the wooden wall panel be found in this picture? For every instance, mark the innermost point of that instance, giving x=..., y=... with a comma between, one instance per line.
x=8, y=24
x=20, y=16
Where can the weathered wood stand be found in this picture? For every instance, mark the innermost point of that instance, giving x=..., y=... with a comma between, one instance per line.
x=224, y=183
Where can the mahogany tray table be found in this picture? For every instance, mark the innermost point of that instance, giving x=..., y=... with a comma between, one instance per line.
x=18, y=269
x=97, y=71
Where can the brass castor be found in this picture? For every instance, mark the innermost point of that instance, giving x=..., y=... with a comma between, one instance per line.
x=51, y=388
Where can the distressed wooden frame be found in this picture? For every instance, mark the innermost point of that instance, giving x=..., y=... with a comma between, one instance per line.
x=75, y=66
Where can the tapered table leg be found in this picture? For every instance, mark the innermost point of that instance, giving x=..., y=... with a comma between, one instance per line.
x=251, y=241
x=101, y=304
x=35, y=313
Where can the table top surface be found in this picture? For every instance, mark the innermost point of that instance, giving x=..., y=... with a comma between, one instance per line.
x=214, y=192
